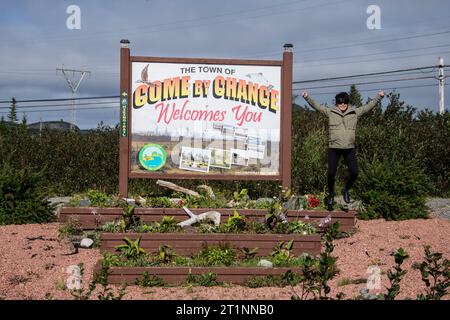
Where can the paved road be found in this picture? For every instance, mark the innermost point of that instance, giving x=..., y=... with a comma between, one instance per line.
x=439, y=207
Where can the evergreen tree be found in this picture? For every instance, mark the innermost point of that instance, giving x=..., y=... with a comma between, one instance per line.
x=12, y=115
x=355, y=96
x=24, y=119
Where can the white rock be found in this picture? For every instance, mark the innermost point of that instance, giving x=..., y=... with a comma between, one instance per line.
x=86, y=243
x=265, y=263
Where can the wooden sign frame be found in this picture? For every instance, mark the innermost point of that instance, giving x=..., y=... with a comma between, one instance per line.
x=125, y=173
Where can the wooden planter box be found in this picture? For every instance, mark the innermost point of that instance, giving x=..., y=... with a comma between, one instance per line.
x=178, y=275
x=90, y=217
x=191, y=243
x=93, y=218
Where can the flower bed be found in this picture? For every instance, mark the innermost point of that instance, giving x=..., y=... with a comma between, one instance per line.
x=95, y=217
x=188, y=244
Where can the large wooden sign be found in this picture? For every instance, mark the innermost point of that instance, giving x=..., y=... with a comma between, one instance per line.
x=184, y=118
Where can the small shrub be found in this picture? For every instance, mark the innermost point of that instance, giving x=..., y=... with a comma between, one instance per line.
x=249, y=254
x=396, y=275
x=235, y=223
x=301, y=227
x=288, y=278
x=205, y=280
x=111, y=226
x=165, y=253
x=167, y=224
x=72, y=227
x=22, y=200
x=98, y=198
x=150, y=281
x=282, y=255
x=392, y=190
x=435, y=274
x=214, y=256
x=131, y=249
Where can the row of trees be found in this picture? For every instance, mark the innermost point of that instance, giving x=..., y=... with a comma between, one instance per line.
x=403, y=157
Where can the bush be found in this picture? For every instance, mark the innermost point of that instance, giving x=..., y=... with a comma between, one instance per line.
x=309, y=163
x=392, y=190
x=22, y=200
x=77, y=162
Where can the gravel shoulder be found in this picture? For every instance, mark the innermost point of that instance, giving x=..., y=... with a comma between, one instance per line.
x=34, y=261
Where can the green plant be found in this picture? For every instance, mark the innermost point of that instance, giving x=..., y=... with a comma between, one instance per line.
x=301, y=227
x=435, y=274
x=235, y=223
x=72, y=227
x=100, y=278
x=206, y=279
x=392, y=189
x=288, y=278
x=22, y=199
x=111, y=226
x=212, y=256
x=150, y=281
x=240, y=196
x=98, y=198
x=282, y=255
x=161, y=202
x=317, y=272
x=131, y=249
x=249, y=253
x=145, y=228
x=167, y=224
x=396, y=275
x=128, y=219
x=165, y=253
x=257, y=227
x=273, y=215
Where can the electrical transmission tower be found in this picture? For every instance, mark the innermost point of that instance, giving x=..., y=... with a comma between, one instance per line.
x=441, y=79
x=73, y=85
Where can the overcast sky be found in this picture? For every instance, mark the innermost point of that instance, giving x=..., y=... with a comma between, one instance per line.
x=330, y=39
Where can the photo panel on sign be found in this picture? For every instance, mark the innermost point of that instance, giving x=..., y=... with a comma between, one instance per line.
x=195, y=159
x=220, y=158
x=239, y=157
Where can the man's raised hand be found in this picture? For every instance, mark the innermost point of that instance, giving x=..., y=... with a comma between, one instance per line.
x=305, y=94
x=381, y=93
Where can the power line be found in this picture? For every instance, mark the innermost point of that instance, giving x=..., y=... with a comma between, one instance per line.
x=78, y=109
x=183, y=27
x=309, y=65
x=369, y=82
x=62, y=99
x=380, y=41
x=377, y=53
x=378, y=89
x=363, y=75
x=63, y=105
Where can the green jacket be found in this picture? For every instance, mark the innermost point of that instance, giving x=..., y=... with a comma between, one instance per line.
x=342, y=125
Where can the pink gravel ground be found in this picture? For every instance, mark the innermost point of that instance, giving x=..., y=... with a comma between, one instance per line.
x=35, y=269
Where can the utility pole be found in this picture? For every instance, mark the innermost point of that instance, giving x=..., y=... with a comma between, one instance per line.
x=441, y=79
x=73, y=85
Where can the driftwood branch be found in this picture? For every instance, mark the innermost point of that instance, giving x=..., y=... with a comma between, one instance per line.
x=212, y=215
x=175, y=187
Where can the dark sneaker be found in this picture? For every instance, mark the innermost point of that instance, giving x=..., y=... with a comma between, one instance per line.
x=346, y=196
x=330, y=200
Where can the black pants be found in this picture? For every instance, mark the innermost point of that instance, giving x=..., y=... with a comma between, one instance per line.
x=351, y=162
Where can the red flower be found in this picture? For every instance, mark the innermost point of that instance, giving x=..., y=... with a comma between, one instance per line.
x=313, y=202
